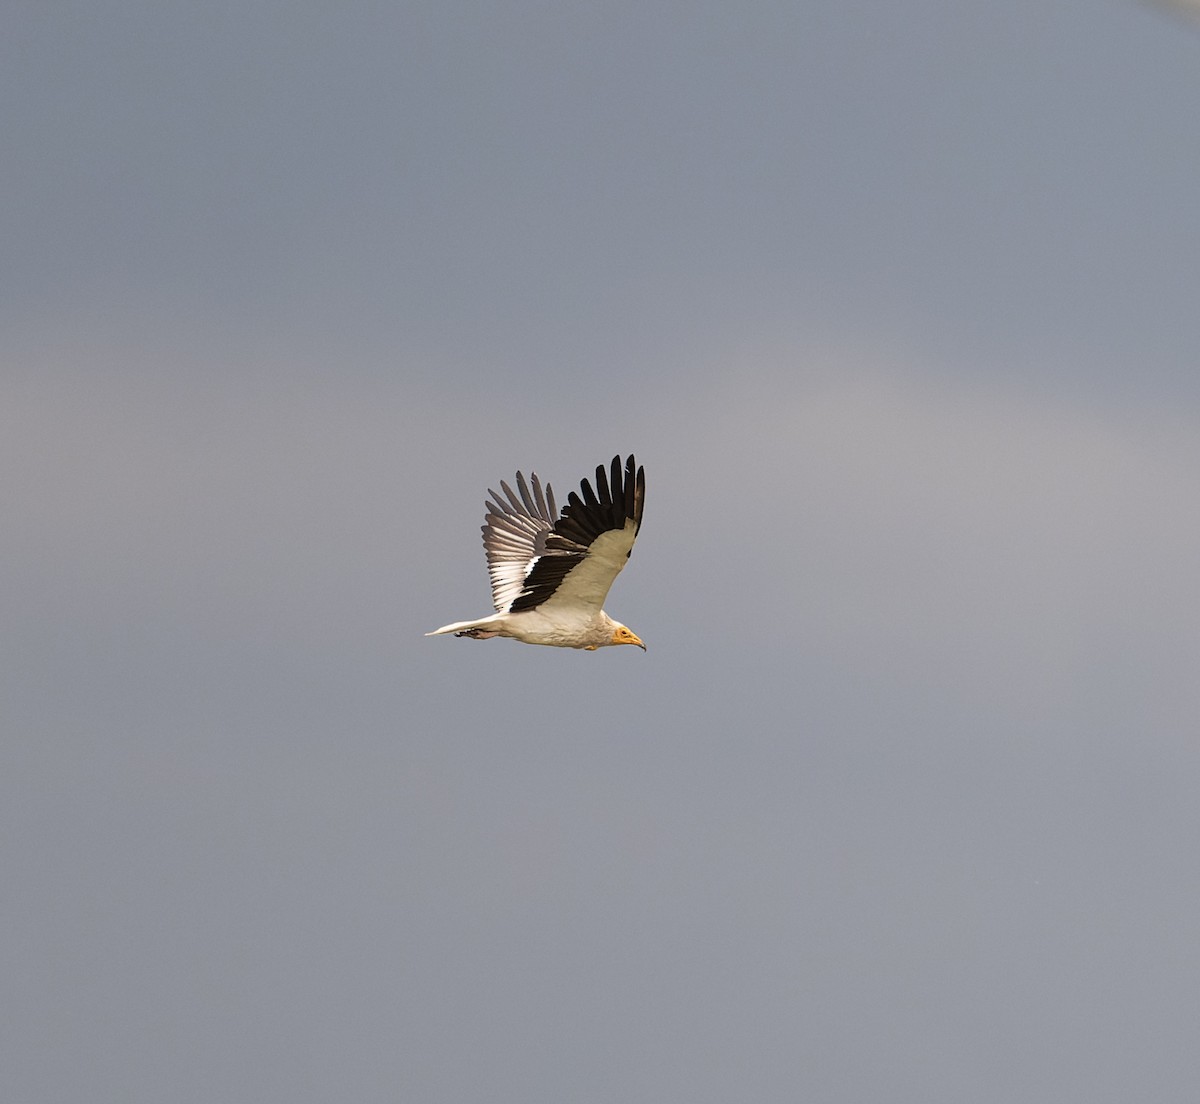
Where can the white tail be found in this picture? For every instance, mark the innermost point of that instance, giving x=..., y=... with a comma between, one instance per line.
x=480, y=630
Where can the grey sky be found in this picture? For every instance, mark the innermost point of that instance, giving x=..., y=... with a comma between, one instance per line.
x=896, y=304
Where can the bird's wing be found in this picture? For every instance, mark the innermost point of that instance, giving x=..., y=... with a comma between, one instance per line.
x=535, y=560
x=514, y=536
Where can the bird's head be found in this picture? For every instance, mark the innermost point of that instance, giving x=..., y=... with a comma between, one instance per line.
x=622, y=635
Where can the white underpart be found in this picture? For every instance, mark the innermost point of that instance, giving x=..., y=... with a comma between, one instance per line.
x=558, y=628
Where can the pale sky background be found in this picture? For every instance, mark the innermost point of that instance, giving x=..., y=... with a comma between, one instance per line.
x=898, y=305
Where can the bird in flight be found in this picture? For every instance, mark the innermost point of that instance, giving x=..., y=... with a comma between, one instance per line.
x=551, y=572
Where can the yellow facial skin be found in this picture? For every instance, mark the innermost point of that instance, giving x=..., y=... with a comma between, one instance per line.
x=622, y=635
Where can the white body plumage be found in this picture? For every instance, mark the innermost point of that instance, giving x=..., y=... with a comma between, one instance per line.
x=537, y=626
